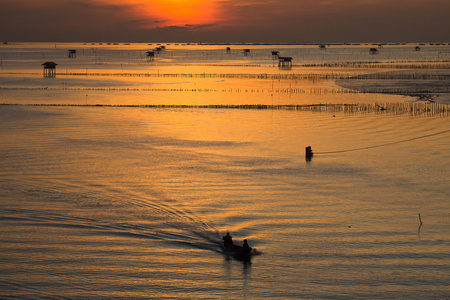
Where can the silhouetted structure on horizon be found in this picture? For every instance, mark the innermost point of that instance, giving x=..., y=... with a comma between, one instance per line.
x=150, y=55
x=373, y=51
x=49, y=69
x=72, y=53
x=285, y=62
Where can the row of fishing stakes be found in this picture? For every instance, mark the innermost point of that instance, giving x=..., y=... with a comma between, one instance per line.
x=50, y=71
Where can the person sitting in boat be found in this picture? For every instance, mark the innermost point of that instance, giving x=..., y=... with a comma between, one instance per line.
x=227, y=240
x=246, y=247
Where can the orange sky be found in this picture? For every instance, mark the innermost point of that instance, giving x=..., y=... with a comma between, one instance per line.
x=170, y=12
x=271, y=21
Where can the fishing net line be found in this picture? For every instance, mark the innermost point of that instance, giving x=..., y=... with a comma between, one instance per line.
x=385, y=144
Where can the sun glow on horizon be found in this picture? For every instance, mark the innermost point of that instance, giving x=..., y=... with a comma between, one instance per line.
x=163, y=13
x=182, y=12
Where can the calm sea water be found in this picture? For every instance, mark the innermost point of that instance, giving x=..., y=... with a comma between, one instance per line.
x=130, y=202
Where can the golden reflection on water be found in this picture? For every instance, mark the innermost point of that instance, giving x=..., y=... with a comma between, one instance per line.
x=131, y=202
x=181, y=91
x=180, y=75
x=140, y=181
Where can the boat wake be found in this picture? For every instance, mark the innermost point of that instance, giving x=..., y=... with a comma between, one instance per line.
x=136, y=217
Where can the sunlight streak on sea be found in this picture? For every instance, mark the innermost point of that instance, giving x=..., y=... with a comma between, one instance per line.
x=132, y=202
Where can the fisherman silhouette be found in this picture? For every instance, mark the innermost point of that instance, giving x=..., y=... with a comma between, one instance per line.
x=227, y=240
x=246, y=247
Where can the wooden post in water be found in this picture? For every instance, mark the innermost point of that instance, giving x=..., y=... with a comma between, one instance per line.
x=308, y=153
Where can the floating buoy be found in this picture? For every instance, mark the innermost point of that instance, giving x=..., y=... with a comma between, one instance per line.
x=308, y=153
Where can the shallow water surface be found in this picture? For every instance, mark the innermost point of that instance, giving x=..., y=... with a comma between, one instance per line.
x=131, y=202
x=127, y=201
x=201, y=74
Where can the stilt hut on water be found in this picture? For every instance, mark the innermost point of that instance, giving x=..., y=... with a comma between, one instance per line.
x=285, y=62
x=49, y=69
x=150, y=55
x=72, y=53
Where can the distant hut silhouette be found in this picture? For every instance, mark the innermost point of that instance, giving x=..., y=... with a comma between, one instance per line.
x=246, y=52
x=72, y=53
x=373, y=51
x=150, y=55
x=49, y=69
x=285, y=62
x=275, y=54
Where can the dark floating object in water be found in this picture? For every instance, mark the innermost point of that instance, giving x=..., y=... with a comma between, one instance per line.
x=373, y=51
x=238, y=252
x=381, y=107
x=308, y=153
x=244, y=252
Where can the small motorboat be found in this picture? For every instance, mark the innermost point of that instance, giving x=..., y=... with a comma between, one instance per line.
x=238, y=252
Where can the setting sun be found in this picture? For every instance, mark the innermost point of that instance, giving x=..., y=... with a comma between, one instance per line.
x=224, y=149
x=182, y=12
x=163, y=13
